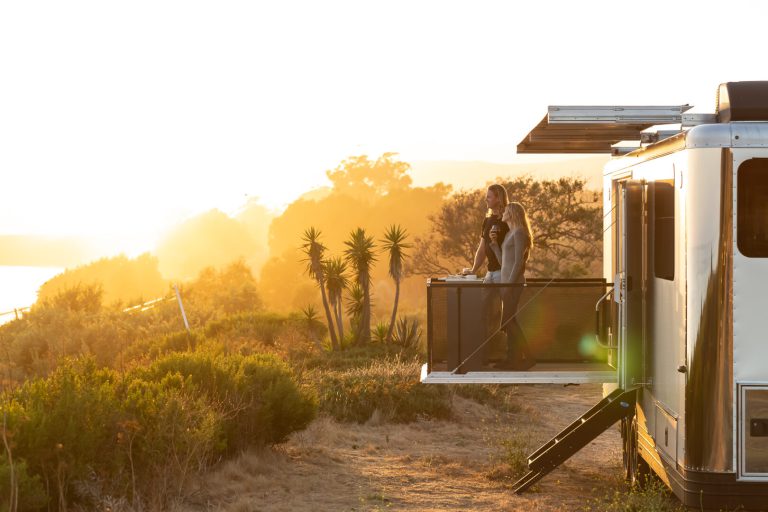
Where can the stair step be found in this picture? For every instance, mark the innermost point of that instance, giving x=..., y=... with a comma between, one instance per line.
x=577, y=435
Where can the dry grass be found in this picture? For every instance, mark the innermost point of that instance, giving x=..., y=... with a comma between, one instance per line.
x=425, y=465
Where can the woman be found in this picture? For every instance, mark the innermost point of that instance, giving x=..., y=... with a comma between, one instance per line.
x=513, y=252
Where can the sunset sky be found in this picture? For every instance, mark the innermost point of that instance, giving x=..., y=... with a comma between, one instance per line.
x=122, y=118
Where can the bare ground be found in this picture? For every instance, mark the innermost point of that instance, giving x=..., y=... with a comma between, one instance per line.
x=427, y=465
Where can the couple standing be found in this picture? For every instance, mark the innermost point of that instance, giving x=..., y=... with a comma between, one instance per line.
x=506, y=242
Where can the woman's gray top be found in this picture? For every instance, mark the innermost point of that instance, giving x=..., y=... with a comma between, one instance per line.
x=513, y=254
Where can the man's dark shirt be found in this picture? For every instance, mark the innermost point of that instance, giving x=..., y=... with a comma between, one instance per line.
x=493, y=262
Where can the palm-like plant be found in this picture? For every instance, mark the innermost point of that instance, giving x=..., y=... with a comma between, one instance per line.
x=394, y=242
x=313, y=323
x=360, y=254
x=314, y=251
x=408, y=333
x=336, y=281
x=355, y=307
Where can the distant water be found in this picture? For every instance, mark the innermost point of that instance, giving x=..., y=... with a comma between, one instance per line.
x=19, y=285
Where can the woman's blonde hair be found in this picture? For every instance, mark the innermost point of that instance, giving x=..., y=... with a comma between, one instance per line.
x=516, y=212
x=500, y=192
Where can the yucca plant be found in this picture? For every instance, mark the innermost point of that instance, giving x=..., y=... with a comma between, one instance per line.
x=360, y=254
x=394, y=243
x=355, y=307
x=310, y=313
x=336, y=281
x=379, y=332
x=314, y=251
x=407, y=333
x=312, y=319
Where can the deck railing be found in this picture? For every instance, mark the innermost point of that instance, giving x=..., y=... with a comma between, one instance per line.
x=556, y=316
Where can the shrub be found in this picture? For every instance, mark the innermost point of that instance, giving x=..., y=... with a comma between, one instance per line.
x=379, y=332
x=152, y=348
x=392, y=387
x=652, y=496
x=407, y=333
x=256, y=394
x=262, y=327
x=146, y=432
x=352, y=357
x=167, y=433
x=64, y=425
x=29, y=489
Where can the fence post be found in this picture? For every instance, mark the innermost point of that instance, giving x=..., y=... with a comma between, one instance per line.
x=181, y=306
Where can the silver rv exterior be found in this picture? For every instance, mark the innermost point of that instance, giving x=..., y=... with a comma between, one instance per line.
x=702, y=407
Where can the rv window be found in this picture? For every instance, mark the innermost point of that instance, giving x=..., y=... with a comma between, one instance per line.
x=664, y=230
x=752, y=208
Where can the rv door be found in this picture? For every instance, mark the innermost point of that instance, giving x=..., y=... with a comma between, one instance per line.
x=630, y=282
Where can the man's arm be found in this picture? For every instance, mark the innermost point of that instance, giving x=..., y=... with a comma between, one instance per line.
x=479, y=257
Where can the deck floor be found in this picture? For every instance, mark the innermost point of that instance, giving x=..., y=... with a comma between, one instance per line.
x=541, y=367
x=541, y=373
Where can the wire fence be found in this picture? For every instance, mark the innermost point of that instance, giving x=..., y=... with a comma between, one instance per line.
x=18, y=313
x=14, y=314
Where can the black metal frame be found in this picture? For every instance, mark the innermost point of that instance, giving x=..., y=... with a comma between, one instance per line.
x=455, y=320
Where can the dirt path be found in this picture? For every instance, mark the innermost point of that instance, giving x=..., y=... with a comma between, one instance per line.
x=428, y=465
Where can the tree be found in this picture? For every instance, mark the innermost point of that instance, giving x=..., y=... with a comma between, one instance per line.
x=336, y=281
x=211, y=239
x=314, y=251
x=360, y=254
x=359, y=176
x=394, y=243
x=226, y=291
x=566, y=220
x=452, y=240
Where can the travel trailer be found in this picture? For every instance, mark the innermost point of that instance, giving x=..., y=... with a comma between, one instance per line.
x=674, y=327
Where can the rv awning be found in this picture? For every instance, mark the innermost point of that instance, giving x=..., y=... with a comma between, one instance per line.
x=593, y=129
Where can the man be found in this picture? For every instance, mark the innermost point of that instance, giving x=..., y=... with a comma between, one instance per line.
x=493, y=228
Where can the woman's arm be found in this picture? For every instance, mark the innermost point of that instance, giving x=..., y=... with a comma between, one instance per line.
x=521, y=245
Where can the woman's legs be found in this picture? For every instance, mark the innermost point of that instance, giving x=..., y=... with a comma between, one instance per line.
x=518, y=352
x=491, y=309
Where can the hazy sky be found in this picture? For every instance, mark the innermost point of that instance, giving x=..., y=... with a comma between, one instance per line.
x=123, y=117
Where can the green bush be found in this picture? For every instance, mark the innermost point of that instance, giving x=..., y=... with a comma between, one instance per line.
x=651, y=496
x=64, y=425
x=145, y=432
x=390, y=386
x=262, y=327
x=152, y=348
x=257, y=393
x=30, y=491
x=167, y=432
